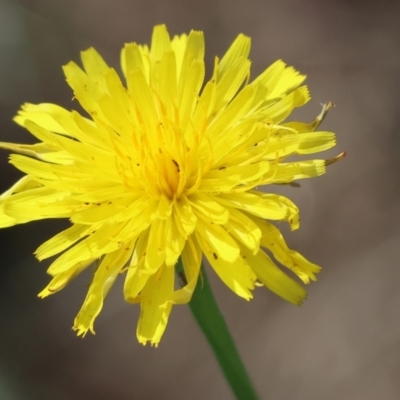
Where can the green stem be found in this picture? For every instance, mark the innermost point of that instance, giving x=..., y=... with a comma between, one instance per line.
x=207, y=314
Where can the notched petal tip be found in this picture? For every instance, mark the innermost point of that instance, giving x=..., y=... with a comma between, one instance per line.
x=83, y=330
x=301, y=301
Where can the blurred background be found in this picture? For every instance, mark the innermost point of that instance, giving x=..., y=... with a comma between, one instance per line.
x=344, y=342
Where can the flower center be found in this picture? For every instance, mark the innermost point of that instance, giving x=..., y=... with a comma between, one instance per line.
x=168, y=174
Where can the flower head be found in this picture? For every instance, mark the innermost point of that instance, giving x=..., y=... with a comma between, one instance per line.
x=165, y=166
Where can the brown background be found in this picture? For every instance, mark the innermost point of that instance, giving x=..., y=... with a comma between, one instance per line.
x=344, y=343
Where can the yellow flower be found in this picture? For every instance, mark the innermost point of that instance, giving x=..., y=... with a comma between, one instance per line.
x=167, y=167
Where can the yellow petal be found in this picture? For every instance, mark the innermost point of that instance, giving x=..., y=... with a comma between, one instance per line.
x=44, y=115
x=155, y=307
x=273, y=278
x=86, y=91
x=314, y=142
x=218, y=239
x=273, y=240
x=243, y=229
x=145, y=104
x=237, y=275
x=100, y=242
x=242, y=143
x=178, y=46
x=188, y=93
x=22, y=185
x=231, y=81
x=228, y=117
x=115, y=115
x=291, y=210
x=46, y=202
x=103, y=279
x=175, y=243
x=160, y=42
x=289, y=172
x=168, y=84
x=283, y=108
x=209, y=208
x=136, y=276
x=254, y=203
x=288, y=81
x=131, y=60
x=191, y=261
x=62, y=279
x=239, y=49
x=226, y=179
x=205, y=106
x=184, y=216
x=156, y=244
x=6, y=220
x=193, y=47
x=266, y=82
x=95, y=67
x=60, y=242
x=311, y=127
